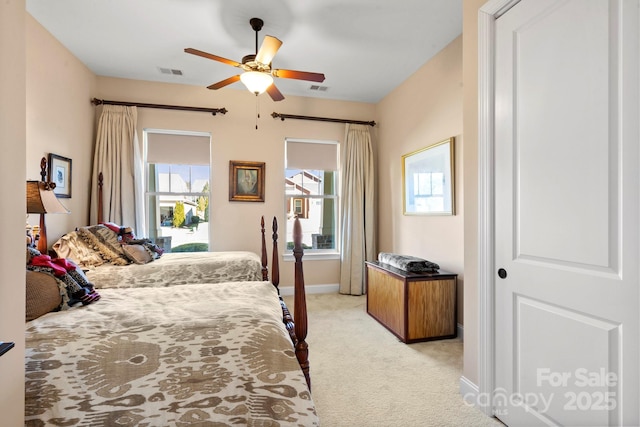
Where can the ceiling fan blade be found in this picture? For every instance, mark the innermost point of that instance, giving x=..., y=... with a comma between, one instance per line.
x=299, y=75
x=274, y=93
x=224, y=82
x=210, y=56
x=268, y=49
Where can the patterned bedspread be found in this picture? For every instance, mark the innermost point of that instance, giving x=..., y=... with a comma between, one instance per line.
x=179, y=268
x=198, y=354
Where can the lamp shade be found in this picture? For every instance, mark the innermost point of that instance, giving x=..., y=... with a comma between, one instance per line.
x=42, y=200
x=256, y=81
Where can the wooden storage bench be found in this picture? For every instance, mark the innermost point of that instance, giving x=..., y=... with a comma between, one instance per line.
x=414, y=306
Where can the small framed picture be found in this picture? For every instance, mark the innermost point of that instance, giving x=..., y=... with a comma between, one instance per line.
x=60, y=174
x=246, y=181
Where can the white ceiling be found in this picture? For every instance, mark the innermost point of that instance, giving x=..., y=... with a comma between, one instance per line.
x=365, y=48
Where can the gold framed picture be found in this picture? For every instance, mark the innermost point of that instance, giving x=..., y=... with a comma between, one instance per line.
x=428, y=180
x=246, y=181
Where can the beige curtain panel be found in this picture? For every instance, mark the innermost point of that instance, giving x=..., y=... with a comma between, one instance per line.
x=117, y=157
x=358, y=211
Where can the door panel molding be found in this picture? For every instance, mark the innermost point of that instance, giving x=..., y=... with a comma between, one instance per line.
x=542, y=166
x=538, y=322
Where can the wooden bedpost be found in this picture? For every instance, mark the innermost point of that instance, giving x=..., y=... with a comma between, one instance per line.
x=100, y=183
x=275, y=265
x=300, y=304
x=287, y=319
x=265, y=268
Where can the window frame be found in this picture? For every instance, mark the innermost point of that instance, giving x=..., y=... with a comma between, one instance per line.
x=150, y=194
x=307, y=198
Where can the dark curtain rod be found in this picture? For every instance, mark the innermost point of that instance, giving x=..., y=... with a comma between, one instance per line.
x=214, y=111
x=320, y=119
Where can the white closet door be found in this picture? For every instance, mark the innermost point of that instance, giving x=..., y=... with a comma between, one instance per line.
x=567, y=234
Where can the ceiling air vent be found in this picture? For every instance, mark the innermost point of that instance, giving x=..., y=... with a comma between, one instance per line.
x=170, y=71
x=318, y=88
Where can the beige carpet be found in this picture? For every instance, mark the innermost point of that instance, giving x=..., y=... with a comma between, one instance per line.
x=362, y=375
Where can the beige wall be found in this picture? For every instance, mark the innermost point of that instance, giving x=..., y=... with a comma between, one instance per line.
x=470, y=164
x=423, y=110
x=59, y=121
x=12, y=194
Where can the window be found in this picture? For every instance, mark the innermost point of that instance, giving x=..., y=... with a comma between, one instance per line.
x=299, y=208
x=178, y=190
x=311, y=193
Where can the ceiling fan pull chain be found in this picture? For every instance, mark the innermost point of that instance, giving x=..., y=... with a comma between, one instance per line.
x=257, y=110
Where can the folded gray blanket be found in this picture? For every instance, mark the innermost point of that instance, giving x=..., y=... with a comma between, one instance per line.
x=408, y=263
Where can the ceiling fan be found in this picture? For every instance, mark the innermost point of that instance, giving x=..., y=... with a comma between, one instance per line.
x=258, y=74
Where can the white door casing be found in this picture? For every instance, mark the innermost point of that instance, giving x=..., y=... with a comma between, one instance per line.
x=559, y=211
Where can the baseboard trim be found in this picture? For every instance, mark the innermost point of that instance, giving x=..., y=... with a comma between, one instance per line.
x=472, y=396
x=469, y=391
x=312, y=289
x=460, y=330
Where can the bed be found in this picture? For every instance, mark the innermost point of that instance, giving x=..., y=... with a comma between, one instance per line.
x=179, y=268
x=201, y=354
x=110, y=264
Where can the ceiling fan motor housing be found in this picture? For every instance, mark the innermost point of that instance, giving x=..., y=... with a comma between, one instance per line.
x=248, y=58
x=249, y=63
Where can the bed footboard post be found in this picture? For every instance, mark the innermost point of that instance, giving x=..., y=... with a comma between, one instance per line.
x=275, y=263
x=100, y=184
x=300, y=304
x=265, y=268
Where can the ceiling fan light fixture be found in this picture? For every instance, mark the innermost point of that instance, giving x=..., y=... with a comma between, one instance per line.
x=256, y=81
x=258, y=75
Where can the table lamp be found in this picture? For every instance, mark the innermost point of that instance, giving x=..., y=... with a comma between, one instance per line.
x=42, y=200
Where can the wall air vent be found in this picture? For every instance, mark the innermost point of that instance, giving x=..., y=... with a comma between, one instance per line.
x=170, y=71
x=318, y=88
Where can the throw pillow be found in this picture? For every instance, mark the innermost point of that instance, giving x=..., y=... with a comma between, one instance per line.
x=43, y=294
x=73, y=247
x=105, y=241
x=137, y=253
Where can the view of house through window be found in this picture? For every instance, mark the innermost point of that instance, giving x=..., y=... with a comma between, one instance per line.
x=311, y=183
x=178, y=190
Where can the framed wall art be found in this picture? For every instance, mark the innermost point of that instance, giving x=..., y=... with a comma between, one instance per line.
x=428, y=180
x=246, y=181
x=60, y=174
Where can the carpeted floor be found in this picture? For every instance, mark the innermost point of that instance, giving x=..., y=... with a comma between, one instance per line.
x=362, y=375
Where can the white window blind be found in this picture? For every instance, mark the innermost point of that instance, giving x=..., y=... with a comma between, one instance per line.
x=312, y=156
x=178, y=149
